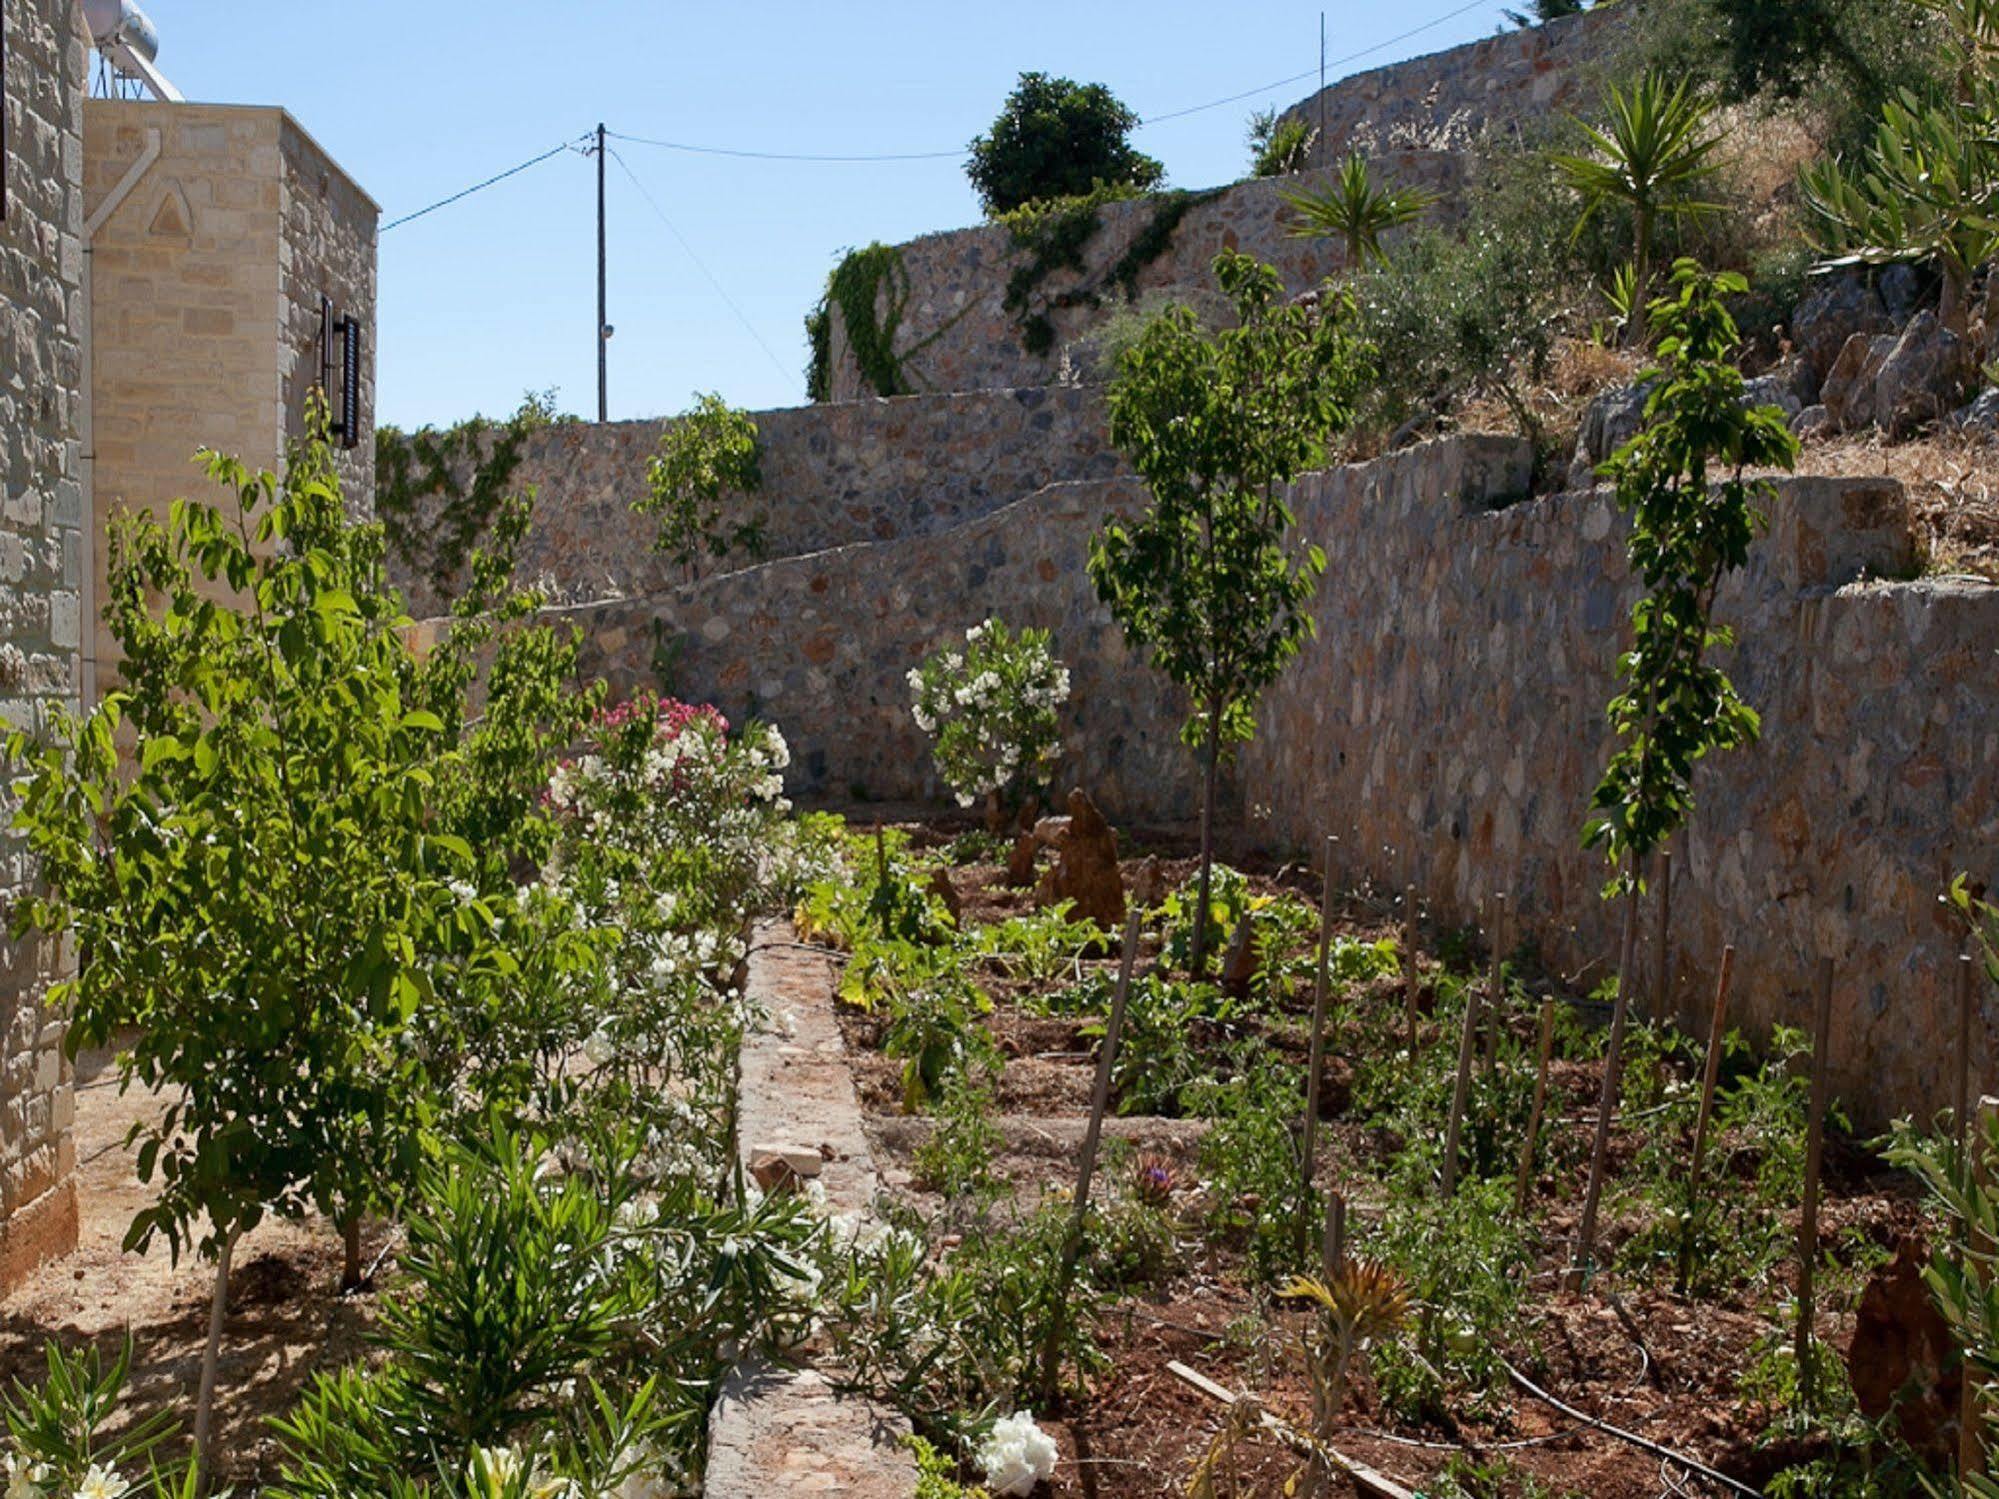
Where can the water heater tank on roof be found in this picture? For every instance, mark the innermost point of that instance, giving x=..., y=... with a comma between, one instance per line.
x=126, y=37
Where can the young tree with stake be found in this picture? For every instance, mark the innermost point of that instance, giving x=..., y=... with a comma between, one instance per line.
x=1210, y=582
x=1693, y=516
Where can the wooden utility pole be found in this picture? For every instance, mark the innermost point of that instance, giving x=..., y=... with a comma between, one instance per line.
x=603, y=304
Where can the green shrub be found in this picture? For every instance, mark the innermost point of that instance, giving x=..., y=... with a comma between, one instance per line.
x=1055, y=138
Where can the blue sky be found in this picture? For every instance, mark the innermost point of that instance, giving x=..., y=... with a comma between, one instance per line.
x=496, y=295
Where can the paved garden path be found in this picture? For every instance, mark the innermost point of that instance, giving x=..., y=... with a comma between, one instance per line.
x=774, y=1431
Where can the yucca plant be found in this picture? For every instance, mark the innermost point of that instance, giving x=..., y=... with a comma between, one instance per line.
x=1925, y=190
x=1362, y=1302
x=1357, y=211
x=1653, y=155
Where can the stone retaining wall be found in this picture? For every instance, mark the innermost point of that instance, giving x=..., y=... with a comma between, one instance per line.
x=1448, y=726
x=41, y=483
x=956, y=332
x=1448, y=100
x=1448, y=721
x=833, y=475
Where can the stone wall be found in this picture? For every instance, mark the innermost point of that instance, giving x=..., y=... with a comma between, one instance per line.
x=956, y=332
x=1448, y=101
x=41, y=511
x=1448, y=726
x=1448, y=721
x=205, y=272
x=833, y=475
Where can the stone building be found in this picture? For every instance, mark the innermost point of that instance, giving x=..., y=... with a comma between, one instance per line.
x=172, y=276
x=41, y=571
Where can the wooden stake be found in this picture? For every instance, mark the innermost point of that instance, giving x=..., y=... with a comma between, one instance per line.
x=1663, y=938
x=1966, y=988
x=1317, y=1052
x=1072, y=1243
x=1409, y=966
x=1365, y=1479
x=1461, y=1091
x=1972, y=1251
x=1808, y=1223
x=1495, y=995
x=1333, y=1252
x=1710, y=1075
x=1525, y=1183
x=1584, y=1256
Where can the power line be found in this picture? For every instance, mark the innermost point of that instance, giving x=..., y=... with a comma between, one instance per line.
x=640, y=140
x=480, y=187
x=720, y=291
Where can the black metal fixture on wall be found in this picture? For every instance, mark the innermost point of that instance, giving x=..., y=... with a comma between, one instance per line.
x=346, y=416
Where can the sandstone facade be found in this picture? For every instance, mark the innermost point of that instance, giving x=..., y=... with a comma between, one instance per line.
x=832, y=476
x=1448, y=721
x=41, y=516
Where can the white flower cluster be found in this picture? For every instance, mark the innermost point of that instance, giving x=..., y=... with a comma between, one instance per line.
x=31, y=1480
x=1016, y=1455
x=992, y=709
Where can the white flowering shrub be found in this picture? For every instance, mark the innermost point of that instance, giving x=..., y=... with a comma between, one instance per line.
x=992, y=709
x=1016, y=1455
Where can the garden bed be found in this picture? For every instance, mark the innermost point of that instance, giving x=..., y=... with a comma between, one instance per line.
x=1196, y=1273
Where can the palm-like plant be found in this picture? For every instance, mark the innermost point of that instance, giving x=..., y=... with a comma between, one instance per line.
x=1653, y=155
x=1357, y=211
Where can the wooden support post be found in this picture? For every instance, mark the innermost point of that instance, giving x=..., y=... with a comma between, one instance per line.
x=1316, y=1053
x=1710, y=1075
x=1333, y=1252
x=1495, y=993
x=1461, y=1091
x=1409, y=967
x=1583, y=1258
x=1971, y=1250
x=1967, y=989
x=1808, y=1223
x=1072, y=1243
x=1662, y=968
x=1525, y=1184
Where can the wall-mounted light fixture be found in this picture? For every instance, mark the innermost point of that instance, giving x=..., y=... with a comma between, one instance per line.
x=340, y=371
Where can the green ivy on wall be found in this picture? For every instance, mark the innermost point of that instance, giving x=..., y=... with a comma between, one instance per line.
x=871, y=288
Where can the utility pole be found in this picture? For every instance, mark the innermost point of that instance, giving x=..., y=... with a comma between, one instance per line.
x=1321, y=143
x=603, y=310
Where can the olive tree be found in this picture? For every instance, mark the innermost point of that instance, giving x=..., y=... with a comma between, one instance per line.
x=1683, y=479
x=1210, y=582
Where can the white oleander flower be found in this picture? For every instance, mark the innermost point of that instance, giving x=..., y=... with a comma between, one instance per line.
x=600, y=1048
x=1016, y=1455
x=101, y=1483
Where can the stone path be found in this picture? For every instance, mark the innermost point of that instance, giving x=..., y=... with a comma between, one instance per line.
x=775, y=1431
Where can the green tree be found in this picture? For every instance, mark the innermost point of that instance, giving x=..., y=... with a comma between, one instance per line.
x=1357, y=211
x=1279, y=144
x=1056, y=138
x=1543, y=11
x=1210, y=582
x=709, y=462
x=1693, y=516
x=1652, y=156
x=250, y=846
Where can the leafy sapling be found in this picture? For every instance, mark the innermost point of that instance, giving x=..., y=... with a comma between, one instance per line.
x=1210, y=581
x=1684, y=481
x=698, y=484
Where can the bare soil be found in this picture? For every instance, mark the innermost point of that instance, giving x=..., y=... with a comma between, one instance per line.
x=286, y=1318
x=1645, y=1360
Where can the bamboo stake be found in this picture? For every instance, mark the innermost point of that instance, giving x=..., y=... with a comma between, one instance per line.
x=1808, y=1223
x=1526, y=1180
x=1495, y=995
x=1072, y=1243
x=1584, y=1255
x=1662, y=938
x=1971, y=1250
x=1409, y=966
x=1317, y=1053
x=1461, y=1091
x=1710, y=1075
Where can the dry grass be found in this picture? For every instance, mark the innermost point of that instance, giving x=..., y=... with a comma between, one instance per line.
x=1952, y=481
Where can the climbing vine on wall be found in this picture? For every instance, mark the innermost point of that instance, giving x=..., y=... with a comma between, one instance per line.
x=1054, y=237
x=871, y=288
x=470, y=467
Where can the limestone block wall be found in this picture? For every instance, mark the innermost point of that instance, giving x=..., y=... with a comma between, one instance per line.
x=1448, y=721
x=956, y=333
x=1448, y=100
x=832, y=475
x=205, y=273
x=1448, y=725
x=41, y=511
